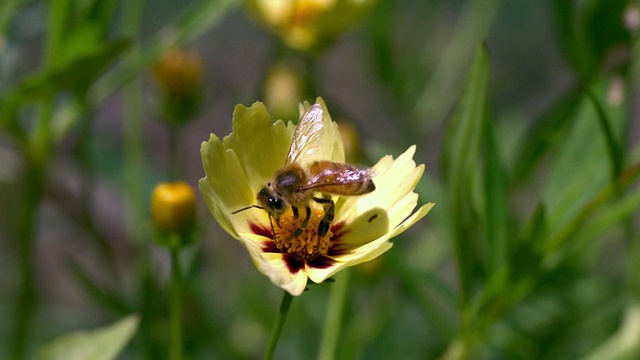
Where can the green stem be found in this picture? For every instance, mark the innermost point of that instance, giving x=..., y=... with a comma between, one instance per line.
x=174, y=153
x=333, y=317
x=277, y=327
x=34, y=178
x=175, y=345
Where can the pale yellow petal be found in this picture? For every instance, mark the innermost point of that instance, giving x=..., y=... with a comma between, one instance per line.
x=319, y=275
x=275, y=267
x=376, y=247
x=260, y=145
x=225, y=187
x=393, y=196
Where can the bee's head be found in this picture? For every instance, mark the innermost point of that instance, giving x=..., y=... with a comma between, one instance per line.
x=270, y=202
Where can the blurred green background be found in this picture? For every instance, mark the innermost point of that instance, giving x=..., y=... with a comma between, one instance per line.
x=525, y=113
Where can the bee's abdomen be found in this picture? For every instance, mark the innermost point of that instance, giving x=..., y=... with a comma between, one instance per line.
x=340, y=178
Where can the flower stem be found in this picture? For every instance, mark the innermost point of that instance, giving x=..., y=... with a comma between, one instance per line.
x=277, y=327
x=25, y=302
x=174, y=153
x=175, y=344
x=333, y=316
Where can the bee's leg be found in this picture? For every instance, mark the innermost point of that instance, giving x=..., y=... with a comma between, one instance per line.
x=329, y=213
x=304, y=224
x=295, y=212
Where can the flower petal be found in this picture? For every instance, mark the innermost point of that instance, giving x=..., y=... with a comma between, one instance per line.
x=225, y=186
x=260, y=145
x=395, y=180
x=368, y=251
x=318, y=275
x=276, y=267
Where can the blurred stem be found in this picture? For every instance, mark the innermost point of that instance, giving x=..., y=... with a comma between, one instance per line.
x=333, y=316
x=176, y=307
x=34, y=190
x=174, y=153
x=277, y=327
x=88, y=182
x=134, y=173
x=38, y=152
x=133, y=129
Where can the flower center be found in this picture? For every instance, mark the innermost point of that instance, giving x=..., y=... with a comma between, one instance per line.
x=308, y=244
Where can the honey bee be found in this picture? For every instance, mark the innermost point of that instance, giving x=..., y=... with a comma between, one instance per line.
x=303, y=178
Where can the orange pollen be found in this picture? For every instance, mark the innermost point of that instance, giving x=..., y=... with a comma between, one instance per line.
x=308, y=244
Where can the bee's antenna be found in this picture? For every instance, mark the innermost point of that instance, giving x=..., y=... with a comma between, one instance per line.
x=247, y=208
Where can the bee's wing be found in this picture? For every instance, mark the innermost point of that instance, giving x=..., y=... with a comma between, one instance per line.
x=334, y=175
x=307, y=136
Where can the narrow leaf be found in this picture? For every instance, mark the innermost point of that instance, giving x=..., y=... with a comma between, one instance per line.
x=496, y=205
x=461, y=154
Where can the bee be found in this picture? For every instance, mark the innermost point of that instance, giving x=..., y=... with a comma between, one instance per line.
x=303, y=178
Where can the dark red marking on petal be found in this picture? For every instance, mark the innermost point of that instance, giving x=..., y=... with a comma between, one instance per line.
x=337, y=251
x=261, y=230
x=270, y=247
x=293, y=263
x=321, y=262
x=335, y=228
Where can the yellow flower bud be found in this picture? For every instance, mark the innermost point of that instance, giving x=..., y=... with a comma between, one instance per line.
x=179, y=75
x=173, y=212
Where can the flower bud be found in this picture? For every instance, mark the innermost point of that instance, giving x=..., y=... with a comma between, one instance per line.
x=179, y=75
x=173, y=212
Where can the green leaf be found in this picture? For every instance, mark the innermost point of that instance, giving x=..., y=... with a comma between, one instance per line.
x=461, y=153
x=554, y=247
x=614, y=146
x=577, y=173
x=545, y=134
x=496, y=205
x=101, y=344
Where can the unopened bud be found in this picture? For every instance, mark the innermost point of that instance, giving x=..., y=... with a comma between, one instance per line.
x=173, y=212
x=179, y=75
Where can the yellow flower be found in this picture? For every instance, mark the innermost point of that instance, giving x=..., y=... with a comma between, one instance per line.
x=240, y=165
